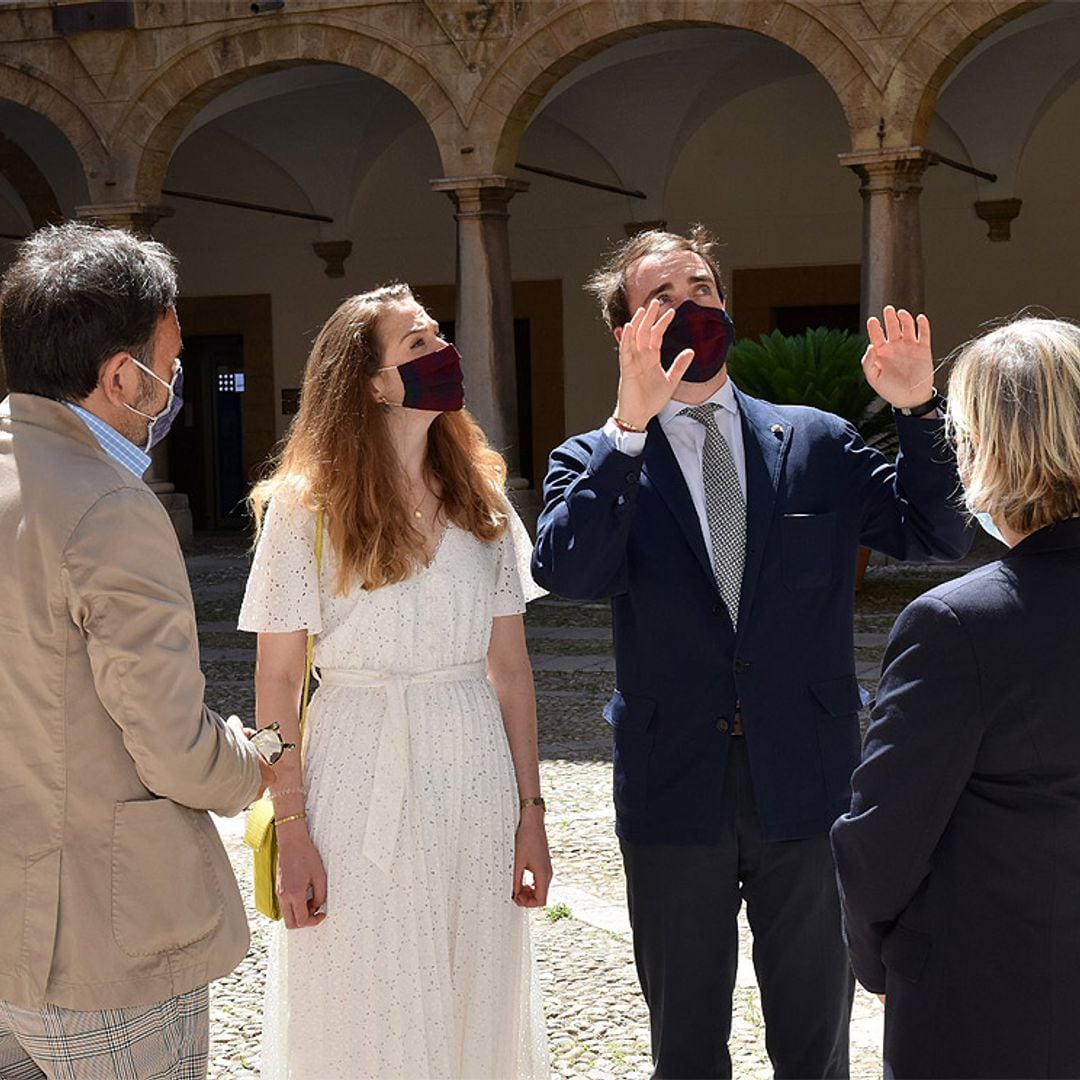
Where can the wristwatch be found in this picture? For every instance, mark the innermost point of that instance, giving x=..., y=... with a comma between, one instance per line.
x=936, y=402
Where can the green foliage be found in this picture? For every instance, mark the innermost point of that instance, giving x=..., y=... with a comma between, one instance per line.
x=820, y=368
x=557, y=912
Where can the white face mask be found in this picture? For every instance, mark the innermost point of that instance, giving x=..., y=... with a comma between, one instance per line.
x=162, y=421
x=987, y=523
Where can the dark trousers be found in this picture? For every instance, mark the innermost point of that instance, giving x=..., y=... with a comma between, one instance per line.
x=683, y=906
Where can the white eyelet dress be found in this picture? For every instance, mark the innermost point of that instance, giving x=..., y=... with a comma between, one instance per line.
x=422, y=967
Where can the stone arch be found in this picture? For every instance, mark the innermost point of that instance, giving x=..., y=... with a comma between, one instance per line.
x=147, y=134
x=32, y=90
x=511, y=93
x=947, y=35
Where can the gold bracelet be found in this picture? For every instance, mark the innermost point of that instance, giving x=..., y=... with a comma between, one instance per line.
x=625, y=425
x=291, y=817
x=537, y=800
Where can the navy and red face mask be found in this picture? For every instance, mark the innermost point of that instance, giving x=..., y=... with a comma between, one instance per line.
x=708, y=331
x=434, y=382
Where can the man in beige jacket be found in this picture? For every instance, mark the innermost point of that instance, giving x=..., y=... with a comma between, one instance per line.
x=117, y=901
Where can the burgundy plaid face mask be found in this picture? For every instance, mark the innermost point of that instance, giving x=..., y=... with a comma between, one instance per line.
x=708, y=331
x=434, y=382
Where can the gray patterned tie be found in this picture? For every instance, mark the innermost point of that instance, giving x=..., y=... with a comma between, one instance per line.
x=725, y=507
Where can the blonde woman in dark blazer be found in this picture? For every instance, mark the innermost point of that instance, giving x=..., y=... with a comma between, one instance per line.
x=959, y=860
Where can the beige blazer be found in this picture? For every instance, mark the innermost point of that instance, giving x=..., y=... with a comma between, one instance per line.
x=115, y=889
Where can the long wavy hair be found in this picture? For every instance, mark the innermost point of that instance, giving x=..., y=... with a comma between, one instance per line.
x=338, y=457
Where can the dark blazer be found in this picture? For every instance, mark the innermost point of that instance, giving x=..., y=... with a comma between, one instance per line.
x=959, y=861
x=625, y=528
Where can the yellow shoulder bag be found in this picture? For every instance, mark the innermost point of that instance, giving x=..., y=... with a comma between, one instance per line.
x=260, y=834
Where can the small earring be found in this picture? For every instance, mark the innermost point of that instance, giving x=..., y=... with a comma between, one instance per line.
x=386, y=406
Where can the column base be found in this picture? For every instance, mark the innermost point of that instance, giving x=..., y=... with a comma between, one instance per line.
x=525, y=500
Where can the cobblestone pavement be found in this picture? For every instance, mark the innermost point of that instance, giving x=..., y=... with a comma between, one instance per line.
x=597, y=1022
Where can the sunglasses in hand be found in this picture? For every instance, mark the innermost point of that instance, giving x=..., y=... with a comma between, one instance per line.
x=269, y=743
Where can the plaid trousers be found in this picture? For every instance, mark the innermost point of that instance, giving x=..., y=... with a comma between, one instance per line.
x=165, y=1041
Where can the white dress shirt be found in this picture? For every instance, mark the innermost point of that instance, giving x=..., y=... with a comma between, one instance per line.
x=687, y=439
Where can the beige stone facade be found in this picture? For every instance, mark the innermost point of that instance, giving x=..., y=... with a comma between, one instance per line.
x=407, y=123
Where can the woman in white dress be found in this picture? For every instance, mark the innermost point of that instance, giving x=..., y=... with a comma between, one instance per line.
x=411, y=827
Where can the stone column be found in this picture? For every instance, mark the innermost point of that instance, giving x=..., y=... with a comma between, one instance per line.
x=485, y=313
x=892, y=263
x=139, y=218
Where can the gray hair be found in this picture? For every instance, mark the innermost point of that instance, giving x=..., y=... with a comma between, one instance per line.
x=74, y=296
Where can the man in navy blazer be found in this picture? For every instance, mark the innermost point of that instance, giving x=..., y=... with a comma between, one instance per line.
x=735, y=731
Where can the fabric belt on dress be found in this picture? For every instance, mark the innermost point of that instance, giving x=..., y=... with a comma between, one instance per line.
x=391, y=779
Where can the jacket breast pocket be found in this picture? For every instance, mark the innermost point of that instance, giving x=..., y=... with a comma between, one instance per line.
x=165, y=893
x=808, y=544
x=631, y=716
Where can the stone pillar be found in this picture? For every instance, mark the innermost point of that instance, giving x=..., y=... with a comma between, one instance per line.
x=136, y=217
x=485, y=313
x=139, y=218
x=892, y=263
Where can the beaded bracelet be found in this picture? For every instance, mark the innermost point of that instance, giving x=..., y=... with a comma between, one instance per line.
x=291, y=817
x=288, y=791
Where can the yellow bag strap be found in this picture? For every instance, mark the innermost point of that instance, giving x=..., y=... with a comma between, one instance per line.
x=311, y=637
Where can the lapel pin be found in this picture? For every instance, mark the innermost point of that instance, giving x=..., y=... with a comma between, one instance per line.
x=777, y=430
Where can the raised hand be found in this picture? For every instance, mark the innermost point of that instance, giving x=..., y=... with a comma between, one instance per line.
x=644, y=386
x=899, y=363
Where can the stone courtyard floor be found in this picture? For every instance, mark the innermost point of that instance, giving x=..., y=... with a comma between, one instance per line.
x=597, y=1022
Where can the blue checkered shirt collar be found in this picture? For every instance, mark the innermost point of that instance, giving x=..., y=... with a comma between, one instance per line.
x=112, y=442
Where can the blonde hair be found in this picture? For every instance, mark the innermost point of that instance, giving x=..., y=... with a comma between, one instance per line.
x=338, y=457
x=1014, y=415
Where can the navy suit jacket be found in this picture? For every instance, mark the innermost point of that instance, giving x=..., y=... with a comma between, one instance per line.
x=959, y=861
x=625, y=527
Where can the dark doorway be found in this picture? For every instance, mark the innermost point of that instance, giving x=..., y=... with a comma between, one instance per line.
x=799, y=317
x=206, y=446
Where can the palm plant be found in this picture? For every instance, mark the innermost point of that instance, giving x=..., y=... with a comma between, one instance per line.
x=820, y=367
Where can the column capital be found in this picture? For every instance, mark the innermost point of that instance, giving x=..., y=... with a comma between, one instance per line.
x=998, y=215
x=897, y=169
x=490, y=180
x=136, y=217
x=488, y=194
x=333, y=253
